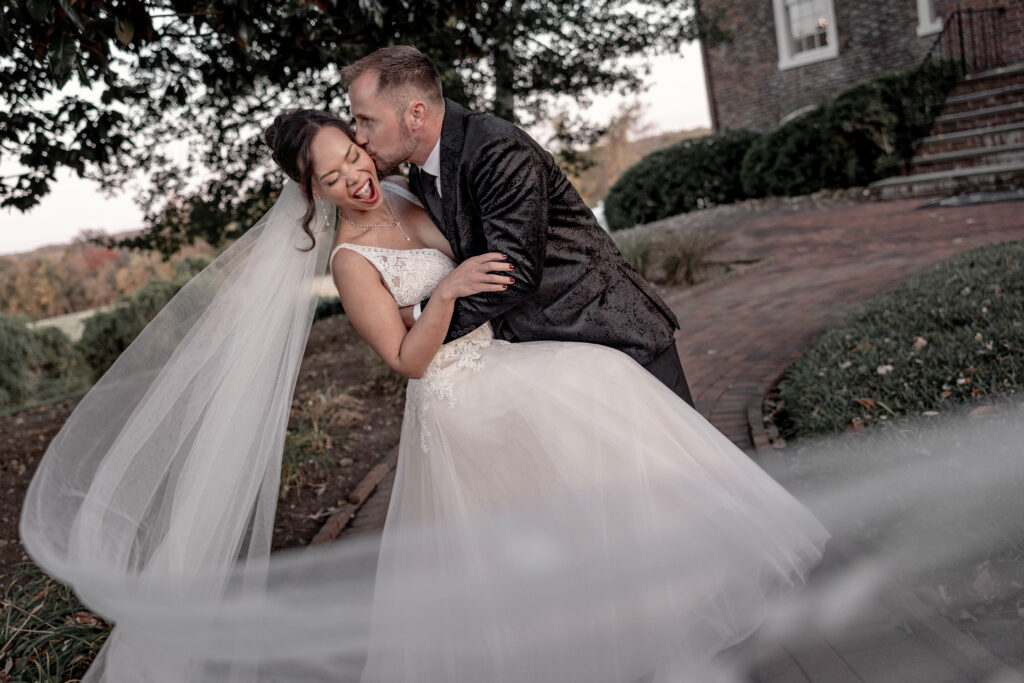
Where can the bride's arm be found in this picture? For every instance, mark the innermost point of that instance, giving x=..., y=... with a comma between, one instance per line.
x=374, y=313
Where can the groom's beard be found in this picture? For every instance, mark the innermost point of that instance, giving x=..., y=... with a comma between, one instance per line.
x=389, y=164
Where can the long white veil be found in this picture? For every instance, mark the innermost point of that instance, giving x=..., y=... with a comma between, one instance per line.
x=156, y=500
x=165, y=477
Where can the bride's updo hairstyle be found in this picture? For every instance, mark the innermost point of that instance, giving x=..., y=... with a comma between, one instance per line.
x=289, y=138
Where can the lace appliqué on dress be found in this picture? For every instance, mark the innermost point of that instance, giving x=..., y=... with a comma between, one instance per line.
x=411, y=275
x=438, y=380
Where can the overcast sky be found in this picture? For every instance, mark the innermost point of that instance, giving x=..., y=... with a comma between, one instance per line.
x=676, y=100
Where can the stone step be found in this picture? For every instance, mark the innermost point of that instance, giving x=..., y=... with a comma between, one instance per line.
x=994, y=136
x=1007, y=94
x=966, y=158
x=1012, y=74
x=984, y=117
x=977, y=178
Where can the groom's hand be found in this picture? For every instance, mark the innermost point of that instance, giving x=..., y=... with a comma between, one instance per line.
x=406, y=312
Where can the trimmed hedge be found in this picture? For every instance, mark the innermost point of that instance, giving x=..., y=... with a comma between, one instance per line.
x=866, y=133
x=108, y=333
x=693, y=174
x=943, y=338
x=37, y=363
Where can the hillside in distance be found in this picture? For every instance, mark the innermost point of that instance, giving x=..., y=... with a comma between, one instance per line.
x=611, y=159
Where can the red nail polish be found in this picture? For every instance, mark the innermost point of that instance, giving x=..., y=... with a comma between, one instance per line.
x=504, y=286
x=511, y=280
x=510, y=266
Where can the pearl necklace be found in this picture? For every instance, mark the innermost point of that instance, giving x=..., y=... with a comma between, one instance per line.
x=394, y=221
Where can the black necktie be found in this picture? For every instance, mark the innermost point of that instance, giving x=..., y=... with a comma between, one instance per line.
x=428, y=190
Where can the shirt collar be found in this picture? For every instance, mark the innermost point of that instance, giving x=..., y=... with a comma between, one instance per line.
x=433, y=163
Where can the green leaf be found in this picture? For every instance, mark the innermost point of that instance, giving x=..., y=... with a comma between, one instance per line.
x=62, y=54
x=39, y=10
x=5, y=30
x=244, y=33
x=72, y=15
x=124, y=29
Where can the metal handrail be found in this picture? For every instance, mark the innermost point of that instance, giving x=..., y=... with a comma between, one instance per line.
x=972, y=38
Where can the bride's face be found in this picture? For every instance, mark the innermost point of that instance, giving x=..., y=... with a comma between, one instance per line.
x=343, y=172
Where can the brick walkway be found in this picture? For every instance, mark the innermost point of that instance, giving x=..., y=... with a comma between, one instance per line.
x=740, y=334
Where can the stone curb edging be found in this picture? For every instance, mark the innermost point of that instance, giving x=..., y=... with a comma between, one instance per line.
x=966, y=653
x=337, y=522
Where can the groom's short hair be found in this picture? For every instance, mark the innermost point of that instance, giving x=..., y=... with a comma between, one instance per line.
x=399, y=68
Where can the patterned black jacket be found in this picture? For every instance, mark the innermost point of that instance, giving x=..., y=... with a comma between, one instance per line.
x=503, y=192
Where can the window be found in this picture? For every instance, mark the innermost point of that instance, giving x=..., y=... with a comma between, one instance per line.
x=928, y=20
x=805, y=31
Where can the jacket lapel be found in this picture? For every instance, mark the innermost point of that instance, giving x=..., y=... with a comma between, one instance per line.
x=452, y=138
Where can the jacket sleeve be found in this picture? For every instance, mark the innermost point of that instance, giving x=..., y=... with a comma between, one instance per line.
x=511, y=187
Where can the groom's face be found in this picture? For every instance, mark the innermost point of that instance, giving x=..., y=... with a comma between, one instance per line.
x=380, y=129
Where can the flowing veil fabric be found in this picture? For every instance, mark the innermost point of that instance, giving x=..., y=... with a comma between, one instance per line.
x=165, y=477
x=156, y=501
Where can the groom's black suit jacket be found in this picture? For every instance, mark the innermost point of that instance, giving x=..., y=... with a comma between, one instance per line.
x=503, y=192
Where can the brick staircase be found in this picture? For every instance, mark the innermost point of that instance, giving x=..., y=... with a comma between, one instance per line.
x=976, y=142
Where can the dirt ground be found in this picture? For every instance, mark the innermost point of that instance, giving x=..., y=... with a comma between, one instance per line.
x=336, y=358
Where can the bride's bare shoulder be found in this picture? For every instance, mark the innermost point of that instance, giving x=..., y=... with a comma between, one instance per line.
x=348, y=265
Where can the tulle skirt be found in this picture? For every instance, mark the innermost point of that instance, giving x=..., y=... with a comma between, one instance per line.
x=601, y=529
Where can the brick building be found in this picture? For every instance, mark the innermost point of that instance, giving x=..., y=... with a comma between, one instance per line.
x=788, y=55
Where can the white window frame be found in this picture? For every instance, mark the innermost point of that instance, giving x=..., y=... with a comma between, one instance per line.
x=929, y=21
x=788, y=60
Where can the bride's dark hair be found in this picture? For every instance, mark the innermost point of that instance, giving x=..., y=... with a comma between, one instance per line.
x=289, y=138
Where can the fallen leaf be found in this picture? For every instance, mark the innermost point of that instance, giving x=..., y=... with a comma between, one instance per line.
x=856, y=425
x=868, y=403
x=985, y=584
x=920, y=343
x=984, y=411
x=85, y=618
x=861, y=347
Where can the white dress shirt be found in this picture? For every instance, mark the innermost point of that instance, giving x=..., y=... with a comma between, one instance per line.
x=433, y=164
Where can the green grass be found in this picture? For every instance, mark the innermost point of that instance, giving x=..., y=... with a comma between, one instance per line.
x=949, y=336
x=46, y=634
x=665, y=258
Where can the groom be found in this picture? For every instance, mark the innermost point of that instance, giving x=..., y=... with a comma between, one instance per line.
x=490, y=187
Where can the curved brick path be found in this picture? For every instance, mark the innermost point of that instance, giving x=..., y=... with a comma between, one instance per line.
x=738, y=336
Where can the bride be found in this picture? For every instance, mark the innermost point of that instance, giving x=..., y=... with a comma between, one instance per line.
x=490, y=425
x=558, y=514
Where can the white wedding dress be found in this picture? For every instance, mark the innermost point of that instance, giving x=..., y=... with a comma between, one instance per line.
x=681, y=538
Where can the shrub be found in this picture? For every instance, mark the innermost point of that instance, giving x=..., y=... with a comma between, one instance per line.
x=693, y=174
x=666, y=258
x=327, y=306
x=862, y=135
x=942, y=338
x=106, y=334
x=37, y=364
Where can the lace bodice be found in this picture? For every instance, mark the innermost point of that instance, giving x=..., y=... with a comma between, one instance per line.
x=410, y=274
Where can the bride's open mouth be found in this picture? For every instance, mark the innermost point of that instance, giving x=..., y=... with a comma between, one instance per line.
x=367, y=193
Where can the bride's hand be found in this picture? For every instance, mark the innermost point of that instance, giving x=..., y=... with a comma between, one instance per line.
x=488, y=272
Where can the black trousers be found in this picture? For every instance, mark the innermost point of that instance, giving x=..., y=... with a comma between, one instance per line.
x=667, y=368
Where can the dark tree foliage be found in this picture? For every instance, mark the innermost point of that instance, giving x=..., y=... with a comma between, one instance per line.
x=176, y=93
